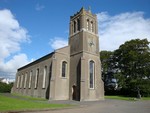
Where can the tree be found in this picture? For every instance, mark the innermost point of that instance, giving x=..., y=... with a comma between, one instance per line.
x=110, y=82
x=132, y=61
x=105, y=57
x=5, y=88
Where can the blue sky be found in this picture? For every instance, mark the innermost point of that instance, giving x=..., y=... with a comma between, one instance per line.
x=30, y=29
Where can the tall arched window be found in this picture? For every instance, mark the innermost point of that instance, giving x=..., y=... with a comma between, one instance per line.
x=72, y=29
x=25, y=80
x=91, y=74
x=87, y=24
x=18, y=81
x=64, y=69
x=78, y=21
x=30, y=79
x=21, y=82
x=44, y=77
x=36, y=78
x=92, y=26
x=75, y=24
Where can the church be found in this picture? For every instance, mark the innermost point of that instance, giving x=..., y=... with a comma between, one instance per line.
x=69, y=73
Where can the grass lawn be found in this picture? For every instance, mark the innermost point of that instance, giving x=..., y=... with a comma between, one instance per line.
x=145, y=98
x=126, y=98
x=28, y=97
x=16, y=104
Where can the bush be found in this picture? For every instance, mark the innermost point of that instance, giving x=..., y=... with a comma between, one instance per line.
x=5, y=88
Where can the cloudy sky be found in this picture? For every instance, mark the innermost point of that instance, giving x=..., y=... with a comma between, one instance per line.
x=30, y=29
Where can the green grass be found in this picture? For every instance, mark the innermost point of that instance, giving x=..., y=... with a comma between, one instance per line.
x=145, y=98
x=14, y=104
x=126, y=98
x=29, y=97
x=119, y=97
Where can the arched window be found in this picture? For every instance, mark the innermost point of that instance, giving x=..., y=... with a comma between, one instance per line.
x=78, y=21
x=91, y=74
x=64, y=69
x=75, y=24
x=72, y=29
x=87, y=24
x=92, y=26
x=44, y=77
x=30, y=79
x=36, y=78
x=21, y=82
x=25, y=80
x=18, y=81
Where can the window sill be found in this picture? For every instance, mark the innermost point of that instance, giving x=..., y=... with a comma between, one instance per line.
x=63, y=77
x=92, y=88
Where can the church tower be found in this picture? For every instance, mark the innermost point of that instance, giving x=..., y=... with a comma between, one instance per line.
x=85, y=66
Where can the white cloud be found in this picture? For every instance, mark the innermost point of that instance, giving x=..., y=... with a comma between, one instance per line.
x=58, y=42
x=115, y=30
x=39, y=7
x=14, y=63
x=11, y=37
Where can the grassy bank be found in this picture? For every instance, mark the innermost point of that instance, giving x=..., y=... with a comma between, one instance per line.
x=16, y=104
x=126, y=98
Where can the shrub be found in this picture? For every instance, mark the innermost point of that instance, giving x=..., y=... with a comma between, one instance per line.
x=5, y=88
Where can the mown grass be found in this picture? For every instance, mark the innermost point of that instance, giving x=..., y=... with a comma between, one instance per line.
x=126, y=98
x=145, y=98
x=15, y=104
x=29, y=97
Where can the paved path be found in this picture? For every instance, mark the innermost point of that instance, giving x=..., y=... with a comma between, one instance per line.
x=106, y=106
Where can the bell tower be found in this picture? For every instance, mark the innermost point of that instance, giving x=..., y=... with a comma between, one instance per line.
x=85, y=66
x=84, y=32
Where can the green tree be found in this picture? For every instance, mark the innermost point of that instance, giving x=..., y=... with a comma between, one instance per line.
x=132, y=60
x=105, y=57
x=5, y=88
x=110, y=81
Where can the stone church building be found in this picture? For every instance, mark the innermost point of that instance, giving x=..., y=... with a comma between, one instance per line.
x=69, y=73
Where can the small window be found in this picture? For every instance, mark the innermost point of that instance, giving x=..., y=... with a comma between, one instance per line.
x=91, y=74
x=44, y=76
x=64, y=68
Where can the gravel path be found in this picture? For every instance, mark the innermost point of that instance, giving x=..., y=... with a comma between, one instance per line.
x=106, y=106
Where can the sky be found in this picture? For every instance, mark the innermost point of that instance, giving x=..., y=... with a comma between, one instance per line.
x=30, y=29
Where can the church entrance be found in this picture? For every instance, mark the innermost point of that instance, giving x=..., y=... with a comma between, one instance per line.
x=76, y=88
x=75, y=93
